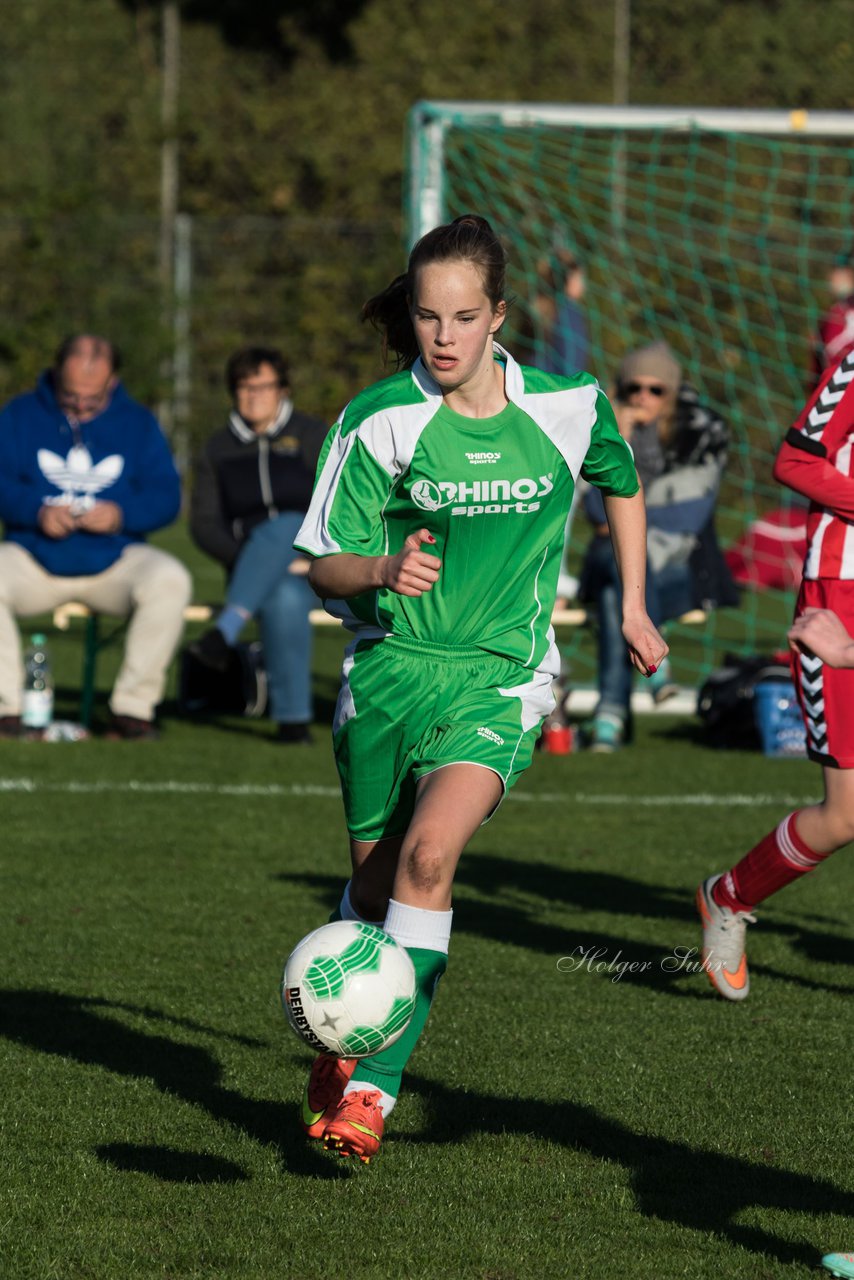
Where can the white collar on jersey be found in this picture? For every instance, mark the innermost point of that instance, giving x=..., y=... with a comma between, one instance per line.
x=514, y=387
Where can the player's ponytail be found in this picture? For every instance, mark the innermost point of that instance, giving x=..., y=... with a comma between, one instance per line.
x=389, y=312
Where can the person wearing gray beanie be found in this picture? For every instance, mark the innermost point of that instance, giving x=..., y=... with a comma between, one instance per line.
x=655, y=361
x=679, y=448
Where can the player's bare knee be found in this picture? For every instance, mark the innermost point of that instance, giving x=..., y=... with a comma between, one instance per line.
x=835, y=826
x=425, y=864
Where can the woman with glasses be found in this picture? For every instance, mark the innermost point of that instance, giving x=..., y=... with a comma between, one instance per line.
x=680, y=451
x=252, y=487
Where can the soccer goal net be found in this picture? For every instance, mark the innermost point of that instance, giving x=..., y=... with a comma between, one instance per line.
x=712, y=230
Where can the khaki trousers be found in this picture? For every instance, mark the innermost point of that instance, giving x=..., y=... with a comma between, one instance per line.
x=145, y=584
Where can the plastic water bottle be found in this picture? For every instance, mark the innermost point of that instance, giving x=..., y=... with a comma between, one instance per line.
x=37, y=705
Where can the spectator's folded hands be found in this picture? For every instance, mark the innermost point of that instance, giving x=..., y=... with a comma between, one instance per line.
x=56, y=521
x=103, y=517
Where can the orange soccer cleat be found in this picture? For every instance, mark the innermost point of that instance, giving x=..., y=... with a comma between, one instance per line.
x=356, y=1129
x=324, y=1091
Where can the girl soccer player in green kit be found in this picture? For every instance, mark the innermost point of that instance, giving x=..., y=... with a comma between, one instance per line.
x=436, y=534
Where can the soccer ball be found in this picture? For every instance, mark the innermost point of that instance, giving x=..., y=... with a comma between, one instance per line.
x=348, y=989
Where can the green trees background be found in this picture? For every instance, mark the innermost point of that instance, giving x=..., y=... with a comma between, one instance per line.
x=290, y=131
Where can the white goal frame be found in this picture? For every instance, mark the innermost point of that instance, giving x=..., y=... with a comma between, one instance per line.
x=429, y=121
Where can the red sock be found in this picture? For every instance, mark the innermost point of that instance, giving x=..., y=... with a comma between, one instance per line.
x=779, y=858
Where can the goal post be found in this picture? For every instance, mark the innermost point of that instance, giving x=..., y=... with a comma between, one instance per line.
x=714, y=230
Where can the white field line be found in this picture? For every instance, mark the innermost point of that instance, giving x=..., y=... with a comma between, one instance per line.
x=276, y=791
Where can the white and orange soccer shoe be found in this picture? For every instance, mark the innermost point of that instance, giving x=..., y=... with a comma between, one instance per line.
x=723, y=955
x=839, y=1264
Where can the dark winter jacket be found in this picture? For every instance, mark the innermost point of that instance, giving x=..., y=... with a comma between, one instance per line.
x=242, y=479
x=681, y=481
x=120, y=456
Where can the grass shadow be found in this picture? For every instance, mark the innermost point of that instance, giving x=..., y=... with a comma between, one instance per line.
x=671, y=1181
x=80, y=1029
x=168, y=1164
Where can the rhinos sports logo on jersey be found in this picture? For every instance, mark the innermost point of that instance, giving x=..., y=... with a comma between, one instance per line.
x=482, y=497
x=425, y=494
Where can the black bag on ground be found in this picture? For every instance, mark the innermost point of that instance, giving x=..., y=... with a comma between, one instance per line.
x=240, y=690
x=725, y=701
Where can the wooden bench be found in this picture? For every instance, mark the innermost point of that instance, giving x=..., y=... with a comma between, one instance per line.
x=94, y=640
x=560, y=618
x=579, y=616
x=585, y=697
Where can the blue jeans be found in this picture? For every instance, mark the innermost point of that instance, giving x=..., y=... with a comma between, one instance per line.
x=281, y=601
x=668, y=595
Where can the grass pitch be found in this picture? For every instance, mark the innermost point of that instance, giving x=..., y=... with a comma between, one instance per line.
x=581, y=1104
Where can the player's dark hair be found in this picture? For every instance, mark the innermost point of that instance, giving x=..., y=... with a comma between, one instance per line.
x=248, y=360
x=468, y=238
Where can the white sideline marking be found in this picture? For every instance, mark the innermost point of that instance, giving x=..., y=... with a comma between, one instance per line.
x=697, y=801
x=272, y=789
x=275, y=791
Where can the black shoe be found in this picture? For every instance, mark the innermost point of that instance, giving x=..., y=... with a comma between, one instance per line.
x=130, y=729
x=212, y=650
x=295, y=733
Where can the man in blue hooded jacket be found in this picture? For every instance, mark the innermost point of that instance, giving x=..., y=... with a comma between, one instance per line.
x=85, y=475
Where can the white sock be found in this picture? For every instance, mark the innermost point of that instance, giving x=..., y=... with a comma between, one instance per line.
x=418, y=927
x=386, y=1102
x=349, y=912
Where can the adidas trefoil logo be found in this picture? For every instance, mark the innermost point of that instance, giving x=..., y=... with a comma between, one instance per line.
x=78, y=478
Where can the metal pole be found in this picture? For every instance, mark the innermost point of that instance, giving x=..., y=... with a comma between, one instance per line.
x=170, y=72
x=181, y=333
x=622, y=51
x=426, y=203
x=622, y=67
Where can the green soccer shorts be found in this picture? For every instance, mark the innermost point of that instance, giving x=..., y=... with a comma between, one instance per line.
x=407, y=707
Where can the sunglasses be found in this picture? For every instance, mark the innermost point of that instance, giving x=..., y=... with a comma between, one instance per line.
x=634, y=388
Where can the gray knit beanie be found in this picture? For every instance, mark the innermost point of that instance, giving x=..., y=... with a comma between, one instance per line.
x=654, y=361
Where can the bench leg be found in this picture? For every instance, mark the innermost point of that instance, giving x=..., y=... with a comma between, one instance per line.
x=90, y=658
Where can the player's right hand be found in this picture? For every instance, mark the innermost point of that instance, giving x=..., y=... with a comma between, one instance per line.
x=412, y=571
x=820, y=632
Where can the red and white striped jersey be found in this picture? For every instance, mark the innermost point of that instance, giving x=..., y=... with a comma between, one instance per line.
x=815, y=459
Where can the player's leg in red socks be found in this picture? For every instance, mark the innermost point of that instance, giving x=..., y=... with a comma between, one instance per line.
x=779, y=858
x=797, y=845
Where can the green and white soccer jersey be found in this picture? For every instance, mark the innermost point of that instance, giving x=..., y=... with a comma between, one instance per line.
x=493, y=492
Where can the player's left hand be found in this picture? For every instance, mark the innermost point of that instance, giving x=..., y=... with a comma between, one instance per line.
x=647, y=647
